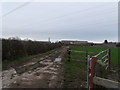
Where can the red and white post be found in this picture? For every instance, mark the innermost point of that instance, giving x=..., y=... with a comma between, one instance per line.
x=92, y=72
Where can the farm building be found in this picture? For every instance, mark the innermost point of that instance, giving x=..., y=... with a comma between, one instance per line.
x=74, y=42
x=106, y=45
x=109, y=44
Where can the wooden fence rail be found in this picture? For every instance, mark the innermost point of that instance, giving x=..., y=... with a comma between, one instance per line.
x=92, y=80
x=106, y=82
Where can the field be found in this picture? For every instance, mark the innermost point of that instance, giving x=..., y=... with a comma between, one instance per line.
x=75, y=70
x=96, y=50
x=42, y=71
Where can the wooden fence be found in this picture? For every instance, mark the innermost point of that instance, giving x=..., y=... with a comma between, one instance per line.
x=104, y=62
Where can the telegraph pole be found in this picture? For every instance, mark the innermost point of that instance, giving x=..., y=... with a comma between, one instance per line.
x=49, y=40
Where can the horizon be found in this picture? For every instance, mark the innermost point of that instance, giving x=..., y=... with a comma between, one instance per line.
x=47, y=40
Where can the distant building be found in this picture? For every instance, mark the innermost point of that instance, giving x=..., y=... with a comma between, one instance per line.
x=105, y=45
x=109, y=44
x=74, y=42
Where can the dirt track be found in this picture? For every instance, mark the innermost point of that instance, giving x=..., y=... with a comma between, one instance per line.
x=41, y=72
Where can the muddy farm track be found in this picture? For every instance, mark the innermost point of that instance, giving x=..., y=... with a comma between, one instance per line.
x=40, y=72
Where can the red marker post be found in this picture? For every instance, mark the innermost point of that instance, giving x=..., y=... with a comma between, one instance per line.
x=93, y=63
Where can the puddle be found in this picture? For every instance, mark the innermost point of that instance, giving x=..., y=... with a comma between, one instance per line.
x=57, y=60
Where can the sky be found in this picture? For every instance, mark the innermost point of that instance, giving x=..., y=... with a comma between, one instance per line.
x=86, y=21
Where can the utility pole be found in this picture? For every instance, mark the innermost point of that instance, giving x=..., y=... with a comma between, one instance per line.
x=49, y=40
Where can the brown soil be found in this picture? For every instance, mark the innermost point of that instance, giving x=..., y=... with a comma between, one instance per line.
x=48, y=75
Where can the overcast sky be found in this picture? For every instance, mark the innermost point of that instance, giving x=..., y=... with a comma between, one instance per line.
x=91, y=21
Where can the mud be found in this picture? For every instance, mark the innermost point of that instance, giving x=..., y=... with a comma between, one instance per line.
x=40, y=73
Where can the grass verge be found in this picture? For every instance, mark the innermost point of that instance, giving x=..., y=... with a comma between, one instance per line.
x=75, y=71
x=18, y=62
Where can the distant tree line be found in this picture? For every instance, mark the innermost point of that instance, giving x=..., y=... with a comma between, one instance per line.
x=13, y=48
x=118, y=45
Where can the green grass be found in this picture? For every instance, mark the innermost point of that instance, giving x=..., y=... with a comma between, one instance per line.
x=114, y=52
x=75, y=74
x=75, y=70
x=8, y=64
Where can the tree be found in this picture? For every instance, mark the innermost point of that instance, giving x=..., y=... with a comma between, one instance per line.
x=105, y=41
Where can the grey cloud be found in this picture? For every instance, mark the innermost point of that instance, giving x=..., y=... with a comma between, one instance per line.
x=84, y=21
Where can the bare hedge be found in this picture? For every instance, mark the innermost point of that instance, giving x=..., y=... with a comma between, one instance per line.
x=14, y=49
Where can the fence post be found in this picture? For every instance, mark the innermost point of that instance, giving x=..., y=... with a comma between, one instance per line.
x=109, y=57
x=86, y=56
x=92, y=72
x=88, y=71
